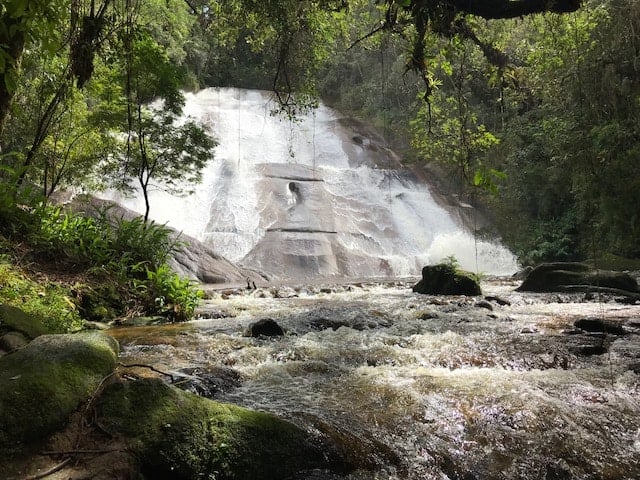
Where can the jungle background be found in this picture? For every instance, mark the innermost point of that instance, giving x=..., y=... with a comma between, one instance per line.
x=534, y=117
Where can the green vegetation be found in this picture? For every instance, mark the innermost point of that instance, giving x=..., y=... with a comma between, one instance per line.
x=193, y=437
x=119, y=269
x=48, y=303
x=46, y=381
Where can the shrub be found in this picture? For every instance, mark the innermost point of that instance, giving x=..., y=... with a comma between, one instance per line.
x=48, y=301
x=169, y=294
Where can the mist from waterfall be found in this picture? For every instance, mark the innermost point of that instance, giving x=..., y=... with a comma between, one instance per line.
x=311, y=197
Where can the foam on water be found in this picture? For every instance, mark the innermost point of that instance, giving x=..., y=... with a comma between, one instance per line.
x=454, y=390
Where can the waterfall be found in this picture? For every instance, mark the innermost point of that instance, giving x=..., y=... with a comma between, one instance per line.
x=312, y=197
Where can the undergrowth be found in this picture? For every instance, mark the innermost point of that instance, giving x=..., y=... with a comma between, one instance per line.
x=109, y=266
x=50, y=302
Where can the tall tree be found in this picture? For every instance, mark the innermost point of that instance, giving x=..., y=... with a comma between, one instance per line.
x=159, y=149
x=23, y=22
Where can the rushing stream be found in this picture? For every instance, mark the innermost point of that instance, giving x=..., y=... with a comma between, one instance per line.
x=423, y=387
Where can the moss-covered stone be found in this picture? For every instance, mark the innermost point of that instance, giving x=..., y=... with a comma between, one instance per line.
x=553, y=277
x=445, y=279
x=14, y=319
x=12, y=341
x=180, y=435
x=44, y=382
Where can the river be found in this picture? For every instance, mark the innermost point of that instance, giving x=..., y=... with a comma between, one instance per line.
x=422, y=387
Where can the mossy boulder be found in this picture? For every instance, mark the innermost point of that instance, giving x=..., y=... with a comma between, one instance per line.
x=14, y=319
x=179, y=435
x=558, y=276
x=46, y=381
x=445, y=279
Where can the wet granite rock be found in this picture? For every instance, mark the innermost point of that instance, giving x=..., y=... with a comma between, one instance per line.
x=266, y=327
x=209, y=383
x=444, y=279
x=564, y=276
x=599, y=325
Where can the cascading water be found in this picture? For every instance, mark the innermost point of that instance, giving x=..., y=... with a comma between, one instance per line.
x=311, y=198
x=417, y=387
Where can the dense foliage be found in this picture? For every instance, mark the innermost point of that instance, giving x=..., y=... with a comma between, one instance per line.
x=101, y=267
x=536, y=117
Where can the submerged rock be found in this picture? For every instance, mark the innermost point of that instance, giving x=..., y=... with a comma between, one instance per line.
x=266, y=327
x=444, y=279
x=560, y=276
x=44, y=382
x=179, y=435
x=599, y=325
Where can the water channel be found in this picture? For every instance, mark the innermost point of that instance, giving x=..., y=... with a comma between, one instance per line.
x=423, y=387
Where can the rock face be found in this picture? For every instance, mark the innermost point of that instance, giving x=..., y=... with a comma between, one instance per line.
x=195, y=260
x=200, y=262
x=323, y=196
x=179, y=435
x=45, y=381
x=444, y=279
x=553, y=277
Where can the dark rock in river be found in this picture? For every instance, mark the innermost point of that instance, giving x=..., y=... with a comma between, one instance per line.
x=208, y=383
x=554, y=277
x=599, y=325
x=444, y=279
x=266, y=327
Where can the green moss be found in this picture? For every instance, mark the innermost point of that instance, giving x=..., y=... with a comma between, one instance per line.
x=12, y=318
x=445, y=279
x=183, y=436
x=43, y=383
x=49, y=302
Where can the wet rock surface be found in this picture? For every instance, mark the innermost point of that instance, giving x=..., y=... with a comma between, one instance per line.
x=553, y=277
x=266, y=327
x=444, y=279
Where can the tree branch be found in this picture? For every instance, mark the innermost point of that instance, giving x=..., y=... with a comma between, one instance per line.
x=497, y=9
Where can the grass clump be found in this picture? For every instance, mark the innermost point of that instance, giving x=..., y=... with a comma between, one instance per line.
x=49, y=302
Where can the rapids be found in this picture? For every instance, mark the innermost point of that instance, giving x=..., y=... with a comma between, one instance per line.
x=316, y=197
x=422, y=387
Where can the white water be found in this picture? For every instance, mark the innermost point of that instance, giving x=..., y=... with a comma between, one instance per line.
x=305, y=199
x=453, y=390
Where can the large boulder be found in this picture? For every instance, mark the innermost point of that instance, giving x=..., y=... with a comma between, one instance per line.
x=200, y=262
x=180, y=435
x=563, y=276
x=444, y=279
x=13, y=319
x=45, y=381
